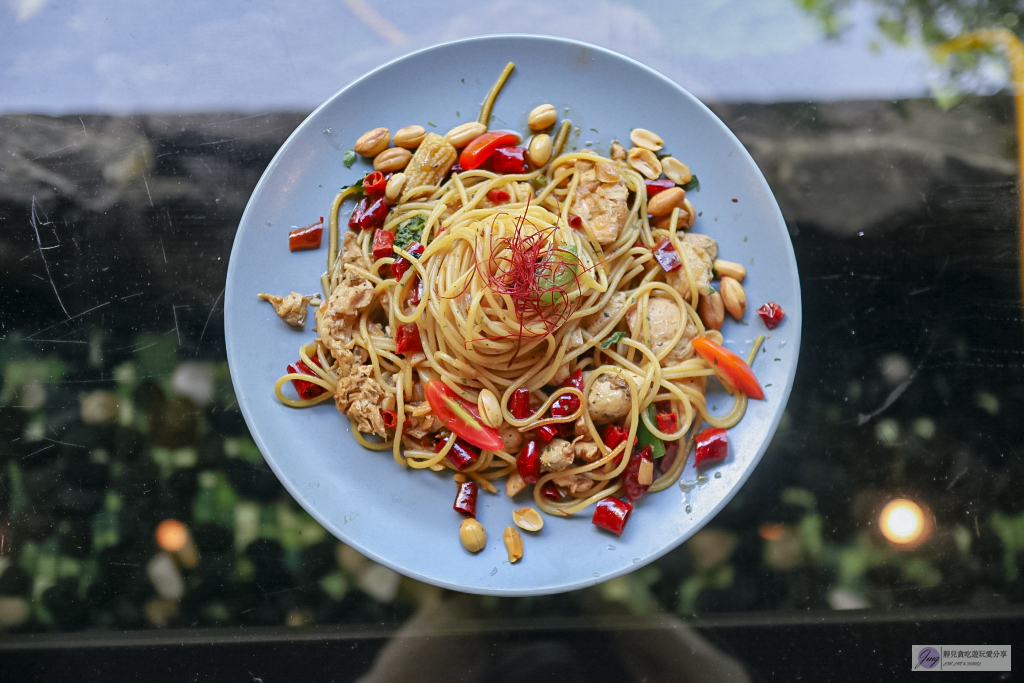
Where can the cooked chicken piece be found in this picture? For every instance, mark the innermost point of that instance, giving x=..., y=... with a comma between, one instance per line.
x=291, y=309
x=597, y=322
x=359, y=396
x=579, y=427
x=608, y=399
x=664, y=319
x=337, y=317
x=601, y=199
x=556, y=456
x=587, y=450
x=561, y=374
x=700, y=264
x=702, y=242
x=574, y=482
x=431, y=162
x=511, y=437
x=418, y=426
x=618, y=151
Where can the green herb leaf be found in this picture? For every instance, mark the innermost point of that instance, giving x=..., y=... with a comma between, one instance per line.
x=645, y=438
x=349, y=158
x=693, y=185
x=409, y=231
x=613, y=339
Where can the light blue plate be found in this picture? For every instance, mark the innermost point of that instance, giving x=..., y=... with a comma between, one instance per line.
x=403, y=518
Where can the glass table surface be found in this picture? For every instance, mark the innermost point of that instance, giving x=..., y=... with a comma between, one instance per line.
x=137, y=514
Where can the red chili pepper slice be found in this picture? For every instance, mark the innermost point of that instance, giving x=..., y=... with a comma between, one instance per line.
x=482, y=147
x=519, y=404
x=390, y=418
x=667, y=422
x=528, y=462
x=612, y=514
x=575, y=221
x=416, y=291
x=667, y=256
x=383, y=244
x=671, y=451
x=375, y=183
x=547, y=432
x=461, y=417
x=465, y=499
x=407, y=340
x=462, y=455
x=305, y=390
x=772, y=314
x=734, y=367
x=374, y=215
x=306, y=237
x=631, y=476
x=510, y=160
x=656, y=186
x=613, y=436
x=712, y=447
x=357, y=212
x=550, y=491
x=568, y=404
x=400, y=266
x=497, y=195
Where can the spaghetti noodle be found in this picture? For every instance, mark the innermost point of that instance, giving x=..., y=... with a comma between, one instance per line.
x=543, y=288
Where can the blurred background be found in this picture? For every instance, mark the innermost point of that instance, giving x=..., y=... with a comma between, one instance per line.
x=132, y=133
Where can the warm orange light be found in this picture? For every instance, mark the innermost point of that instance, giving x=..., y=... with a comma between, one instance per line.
x=171, y=535
x=770, y=531
x=902, y=522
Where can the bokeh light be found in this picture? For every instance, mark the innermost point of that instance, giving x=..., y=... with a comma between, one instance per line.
x=903, y=522
x=171, y=535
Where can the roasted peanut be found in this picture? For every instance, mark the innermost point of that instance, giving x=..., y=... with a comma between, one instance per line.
x=393, y=190
x=462, y=135
x=641, y=137
x=712, y=311
x=644, y=161
x=513, y=544
x=514, y=484
x=645, y=475
x=539, y=150
x=472, y=535
x=676, y=171
x=542, y=116
x=662, y=203
x=688, y=215
x=490, y=409
x=730, y=269
x=734, y=298
x=393, y=159
x=373, y=142
x=618, y=152
x=409, y=137
x=527, y=519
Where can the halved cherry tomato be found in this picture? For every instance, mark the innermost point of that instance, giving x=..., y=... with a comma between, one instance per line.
x=734, y=367
x=480, y=150
x=461, y=417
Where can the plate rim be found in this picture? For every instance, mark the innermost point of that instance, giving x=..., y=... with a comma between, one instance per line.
x=332, y=528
